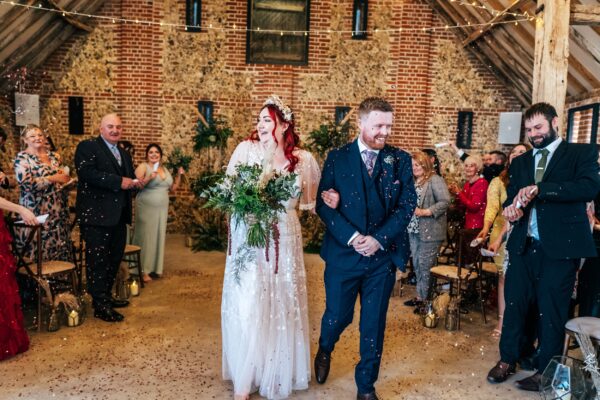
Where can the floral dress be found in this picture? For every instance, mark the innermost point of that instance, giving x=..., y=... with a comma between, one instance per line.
x=264, y=315
x=44, y=197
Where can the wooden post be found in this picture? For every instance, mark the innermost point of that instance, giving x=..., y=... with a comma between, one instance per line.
x=551, y=63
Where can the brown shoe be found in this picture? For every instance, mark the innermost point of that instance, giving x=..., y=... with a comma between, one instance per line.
x=531, y=383
x=322, y=363
x=368, y=396
x=500, y=372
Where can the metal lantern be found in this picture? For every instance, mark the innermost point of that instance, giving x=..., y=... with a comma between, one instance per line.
x=564, y=379
x=452, y=316
x=123, y=291
x=430, y=318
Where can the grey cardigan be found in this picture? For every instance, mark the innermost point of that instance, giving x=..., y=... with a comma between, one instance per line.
x=434, y=197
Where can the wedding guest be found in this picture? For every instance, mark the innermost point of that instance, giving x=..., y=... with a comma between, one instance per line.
x=473, y=194
x=433, y=157
x=427, y=228
x=4, y=183
x=588, y=287
x=13, y=337
x=151, y=210
x=40, y=178
x=104, y=191
x=264, y=314
x=546, y=203
x=496, y=196
x=492, y=161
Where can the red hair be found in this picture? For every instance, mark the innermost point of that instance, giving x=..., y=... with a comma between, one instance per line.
x=290, y=137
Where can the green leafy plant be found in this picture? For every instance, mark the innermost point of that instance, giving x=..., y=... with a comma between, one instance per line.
x=178, y=159
x=327, y=137
x=214, y=135
x=204, y=181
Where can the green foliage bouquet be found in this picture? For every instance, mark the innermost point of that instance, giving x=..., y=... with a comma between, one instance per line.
x=254, y=195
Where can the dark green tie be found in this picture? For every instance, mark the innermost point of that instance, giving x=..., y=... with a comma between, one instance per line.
x=541, y=166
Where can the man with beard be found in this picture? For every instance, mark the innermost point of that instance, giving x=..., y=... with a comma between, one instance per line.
x=366, y=200
x=546, y=203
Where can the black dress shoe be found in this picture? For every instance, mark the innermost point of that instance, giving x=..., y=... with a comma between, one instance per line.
x=500, y=372
x=154, y=275
x=531, y=383
x=119, y=303
x=108, y=315
x=528, y=363
x=413, y=303
x=368, y=396
x=322, y=363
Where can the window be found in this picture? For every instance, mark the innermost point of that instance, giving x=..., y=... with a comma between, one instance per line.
x=582, y=125
x=340, y=114
x=193, y=14
x=359, y=19
x=464, y=131
x=277, y=32
x=206, y=109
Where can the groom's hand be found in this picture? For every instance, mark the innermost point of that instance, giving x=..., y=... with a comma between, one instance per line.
x=366, y=245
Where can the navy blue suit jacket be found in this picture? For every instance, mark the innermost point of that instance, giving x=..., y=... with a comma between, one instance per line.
x=393, y=176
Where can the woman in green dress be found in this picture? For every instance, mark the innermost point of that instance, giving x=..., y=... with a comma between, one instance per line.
x=151, y=209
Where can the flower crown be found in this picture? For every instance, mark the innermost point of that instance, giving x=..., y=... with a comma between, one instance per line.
x=274, y=100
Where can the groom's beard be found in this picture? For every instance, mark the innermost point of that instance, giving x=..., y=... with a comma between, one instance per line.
x=548, y=138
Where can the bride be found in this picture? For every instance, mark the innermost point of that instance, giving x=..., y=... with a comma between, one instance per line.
x=264, y=315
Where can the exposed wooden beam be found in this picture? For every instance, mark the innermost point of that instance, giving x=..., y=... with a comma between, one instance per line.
x=483, y=53
x=592, y=47
x=584, y=72
x=502, y=16
x=509, y=65
x=508, y=49
x=73, y=21
x=551, y=64
x=585, y=14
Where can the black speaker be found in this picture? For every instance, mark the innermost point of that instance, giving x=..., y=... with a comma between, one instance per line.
x=75, y=115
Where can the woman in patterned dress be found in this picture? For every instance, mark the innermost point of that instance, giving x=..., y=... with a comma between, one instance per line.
x=40, y=177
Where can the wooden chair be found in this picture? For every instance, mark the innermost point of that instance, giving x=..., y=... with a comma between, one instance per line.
x=466, y=270
x=131, y=255
x=38, y=269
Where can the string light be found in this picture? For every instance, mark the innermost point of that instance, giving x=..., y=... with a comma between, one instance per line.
x=496, y=13
x=234, y=27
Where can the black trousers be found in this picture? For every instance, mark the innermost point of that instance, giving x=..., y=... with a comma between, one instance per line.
x=535, y=279
x=104, y=251
x=588, y=289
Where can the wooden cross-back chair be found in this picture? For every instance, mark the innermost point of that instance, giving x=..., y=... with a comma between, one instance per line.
x=466, y=270
x=38, y=269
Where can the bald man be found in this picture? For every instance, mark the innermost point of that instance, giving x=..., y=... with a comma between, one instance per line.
x=106, y=180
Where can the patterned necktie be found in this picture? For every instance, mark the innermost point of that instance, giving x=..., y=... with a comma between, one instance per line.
x=541, y=166
x=369, y=160
x=116, y=153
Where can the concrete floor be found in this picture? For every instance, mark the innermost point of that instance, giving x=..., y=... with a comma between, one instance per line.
x=169, y=347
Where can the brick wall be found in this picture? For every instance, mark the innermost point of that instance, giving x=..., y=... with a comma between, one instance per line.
x=139, y=92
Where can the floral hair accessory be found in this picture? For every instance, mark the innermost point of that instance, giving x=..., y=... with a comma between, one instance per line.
x=274, y=100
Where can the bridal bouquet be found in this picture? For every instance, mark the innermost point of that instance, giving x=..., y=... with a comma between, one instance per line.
x=254, y=194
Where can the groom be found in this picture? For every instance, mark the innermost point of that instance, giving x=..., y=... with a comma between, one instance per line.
x=366, y=199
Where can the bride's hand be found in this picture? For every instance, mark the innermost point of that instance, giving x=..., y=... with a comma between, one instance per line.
x=331, y=198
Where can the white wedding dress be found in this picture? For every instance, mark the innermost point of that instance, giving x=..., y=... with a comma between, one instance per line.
x=264, y=315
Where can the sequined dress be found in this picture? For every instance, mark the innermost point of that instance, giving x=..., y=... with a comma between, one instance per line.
x=13, y=338
x=264, y=316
